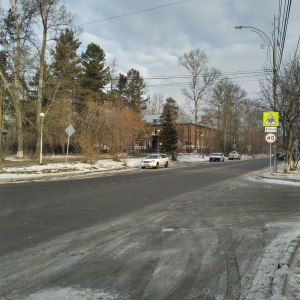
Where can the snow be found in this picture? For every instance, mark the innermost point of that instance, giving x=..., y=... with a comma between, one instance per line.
x=36, y=171
x=272, y=254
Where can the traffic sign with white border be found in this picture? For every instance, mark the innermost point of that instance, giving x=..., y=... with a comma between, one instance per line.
x=270, y=137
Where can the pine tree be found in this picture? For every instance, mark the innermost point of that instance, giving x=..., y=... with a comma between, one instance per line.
x=136, y=87
x=66, y=66
x=169, y=134
x=121, y=87
x=96, y=74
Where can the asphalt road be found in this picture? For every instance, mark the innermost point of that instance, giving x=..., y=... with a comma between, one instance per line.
x=196, y=232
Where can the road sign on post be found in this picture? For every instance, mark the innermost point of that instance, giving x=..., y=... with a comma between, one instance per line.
x=69, y=130
x=271, y=118
x=270, y=137
x=271, y=129
x=249, y=149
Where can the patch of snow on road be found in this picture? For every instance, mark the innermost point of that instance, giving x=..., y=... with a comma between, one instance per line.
x=71, y=293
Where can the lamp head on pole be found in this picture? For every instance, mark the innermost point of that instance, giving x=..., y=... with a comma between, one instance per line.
x=238, y=27
x=42, y=115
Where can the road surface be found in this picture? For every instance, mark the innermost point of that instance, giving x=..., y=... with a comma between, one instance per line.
x=197, y=232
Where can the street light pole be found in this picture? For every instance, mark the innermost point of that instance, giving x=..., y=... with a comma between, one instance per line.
x=158, y=132
x=42, y=115
x=274, y=89
x=273, y=46
x=204, y=137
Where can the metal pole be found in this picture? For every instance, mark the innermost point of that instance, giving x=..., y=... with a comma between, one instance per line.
x=68, y=149
x=42, y=115
x=158, y=132
x=274, y=90
x=271, y=156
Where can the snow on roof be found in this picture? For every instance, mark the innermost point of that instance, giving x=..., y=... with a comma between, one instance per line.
x=153, y=119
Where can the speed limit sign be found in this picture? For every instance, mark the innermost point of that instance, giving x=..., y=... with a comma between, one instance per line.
x=270, y=137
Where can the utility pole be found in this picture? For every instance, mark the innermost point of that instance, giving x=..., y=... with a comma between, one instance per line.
x=274, y=89
x=273, y=45
x=1, y=120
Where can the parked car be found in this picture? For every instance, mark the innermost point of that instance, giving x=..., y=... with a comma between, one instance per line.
x=281, y=155
x=155, y=161
x=234, y=155
x=217, y=157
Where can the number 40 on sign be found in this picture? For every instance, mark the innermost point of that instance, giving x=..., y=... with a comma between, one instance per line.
x=270, y=137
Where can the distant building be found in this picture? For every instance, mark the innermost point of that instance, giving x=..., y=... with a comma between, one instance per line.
x=152, y=145
x=206, y=140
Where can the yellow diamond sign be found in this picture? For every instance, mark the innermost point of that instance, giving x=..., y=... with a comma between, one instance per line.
x=271, y=118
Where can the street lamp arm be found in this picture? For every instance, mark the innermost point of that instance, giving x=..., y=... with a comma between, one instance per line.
x=257, y=31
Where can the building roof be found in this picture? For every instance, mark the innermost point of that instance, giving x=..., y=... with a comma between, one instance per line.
x=153, y=119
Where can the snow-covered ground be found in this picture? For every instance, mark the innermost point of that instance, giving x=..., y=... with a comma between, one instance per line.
x=37, y=171
x=105, y=166
x=34, y=171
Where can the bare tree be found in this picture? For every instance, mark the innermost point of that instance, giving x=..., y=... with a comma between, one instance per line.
x=155, y=104
x=225, y=104
x=251, y=131
x=53, y=16
x=16, y=29
x=16, y=36
x=289, y=110
x=106, y=127
x=113, y=69
x=183, y=116
x=202, y=79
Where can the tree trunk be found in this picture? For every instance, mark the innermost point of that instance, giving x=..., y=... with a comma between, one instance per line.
x=16, y=94
x=41, y=78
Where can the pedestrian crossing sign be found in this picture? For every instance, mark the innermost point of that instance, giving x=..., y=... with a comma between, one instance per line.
x=271, y=118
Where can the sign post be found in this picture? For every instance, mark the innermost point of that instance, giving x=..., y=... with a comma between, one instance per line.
x=271, y=121
x=69, y=130
x=271, y=138
x=249, y=149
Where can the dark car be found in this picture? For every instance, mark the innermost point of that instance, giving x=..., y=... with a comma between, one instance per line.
x=281, y=155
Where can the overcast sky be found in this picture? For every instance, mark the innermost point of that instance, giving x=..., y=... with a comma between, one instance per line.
x=150, y=35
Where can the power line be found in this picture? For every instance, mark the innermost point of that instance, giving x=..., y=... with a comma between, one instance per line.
x=135, y=12
x=237, y=77
x=282, y=28
x=249, y=73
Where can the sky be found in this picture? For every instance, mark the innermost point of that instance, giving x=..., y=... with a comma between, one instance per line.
x=149, y=36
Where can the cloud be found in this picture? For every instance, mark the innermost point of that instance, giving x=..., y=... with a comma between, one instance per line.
x=149, y=36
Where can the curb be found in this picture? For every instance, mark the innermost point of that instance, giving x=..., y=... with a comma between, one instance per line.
x=64, y=175
x=286, y=260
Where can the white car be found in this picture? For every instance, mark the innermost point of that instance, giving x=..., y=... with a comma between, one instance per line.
x=155, y=161
x=217, y=157
x=234, y=155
